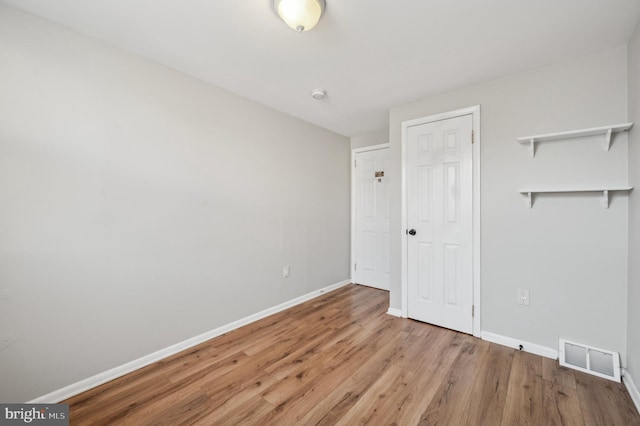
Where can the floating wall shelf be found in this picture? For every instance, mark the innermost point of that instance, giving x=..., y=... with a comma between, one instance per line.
x=605, y=193
x=606, y=131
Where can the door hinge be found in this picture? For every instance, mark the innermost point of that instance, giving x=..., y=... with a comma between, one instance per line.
x=473, y=136
x=355, y=266
x=355, y=163
x=473, y=311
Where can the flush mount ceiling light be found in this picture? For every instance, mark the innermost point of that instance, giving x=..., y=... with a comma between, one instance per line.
x=301, y=15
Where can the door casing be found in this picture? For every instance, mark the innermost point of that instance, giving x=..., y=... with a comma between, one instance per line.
x=404, y=287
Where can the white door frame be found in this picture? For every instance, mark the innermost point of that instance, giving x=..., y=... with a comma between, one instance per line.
x=355, y=151
x=404, y=288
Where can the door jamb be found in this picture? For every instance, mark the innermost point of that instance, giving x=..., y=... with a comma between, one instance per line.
x=355, y=151
x=474, y=111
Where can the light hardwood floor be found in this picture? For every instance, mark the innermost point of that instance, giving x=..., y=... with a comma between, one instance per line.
x=340, y=359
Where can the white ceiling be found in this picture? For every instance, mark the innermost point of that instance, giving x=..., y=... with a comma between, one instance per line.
x=368, y=54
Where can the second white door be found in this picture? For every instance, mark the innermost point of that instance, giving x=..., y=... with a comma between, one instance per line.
x=371, y=254
x=439, y=177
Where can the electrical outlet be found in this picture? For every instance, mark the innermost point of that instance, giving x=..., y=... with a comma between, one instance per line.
x=523, y=297
x=285, y=271
x=7, y=340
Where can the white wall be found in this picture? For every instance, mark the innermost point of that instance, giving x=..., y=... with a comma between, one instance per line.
x=568, y=251
x=633, y=322
x=140, y=207
x=368, y=139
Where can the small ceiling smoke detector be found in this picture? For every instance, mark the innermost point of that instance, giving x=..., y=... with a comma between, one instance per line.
x=318, y=93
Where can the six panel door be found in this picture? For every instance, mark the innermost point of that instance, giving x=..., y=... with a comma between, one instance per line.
x=371, y=262
x=440, y=217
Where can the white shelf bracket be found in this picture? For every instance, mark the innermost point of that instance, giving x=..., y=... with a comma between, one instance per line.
x=606, y=131
x=604, y=198
x=607, y=140
x=533, y=148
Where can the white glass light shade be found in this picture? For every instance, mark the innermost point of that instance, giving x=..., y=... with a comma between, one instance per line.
x=301, y=15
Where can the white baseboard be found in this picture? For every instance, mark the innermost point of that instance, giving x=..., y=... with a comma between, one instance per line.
x=515, y=343
x=632, y=388
x=114, y=373
x=395, y=312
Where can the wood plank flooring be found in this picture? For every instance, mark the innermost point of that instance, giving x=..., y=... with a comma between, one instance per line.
x=340, y=359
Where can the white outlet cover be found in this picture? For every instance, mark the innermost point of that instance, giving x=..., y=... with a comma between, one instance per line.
x=522, y=297
x=7, y=340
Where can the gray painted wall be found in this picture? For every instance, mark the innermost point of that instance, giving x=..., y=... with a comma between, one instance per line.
x=568, y=251
x=633, y=322
x=140, y=207
x=368, y=139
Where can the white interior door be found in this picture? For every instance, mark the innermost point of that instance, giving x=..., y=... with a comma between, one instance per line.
x=440, y=220
x=371, y=245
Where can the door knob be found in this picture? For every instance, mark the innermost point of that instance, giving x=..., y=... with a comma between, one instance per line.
x=412, y=232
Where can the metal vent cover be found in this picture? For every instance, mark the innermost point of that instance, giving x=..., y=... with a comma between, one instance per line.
x=592, y=360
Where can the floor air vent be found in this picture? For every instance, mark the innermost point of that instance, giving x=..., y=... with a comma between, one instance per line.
x=598, y=362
